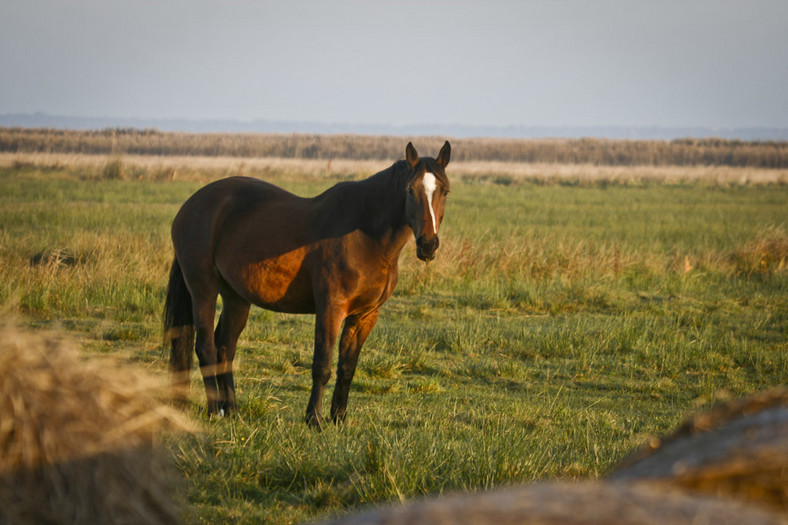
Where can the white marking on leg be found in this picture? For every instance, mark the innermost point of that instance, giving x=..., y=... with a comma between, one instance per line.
x=429, y=189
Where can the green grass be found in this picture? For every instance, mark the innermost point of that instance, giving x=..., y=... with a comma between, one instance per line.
x=559, y=328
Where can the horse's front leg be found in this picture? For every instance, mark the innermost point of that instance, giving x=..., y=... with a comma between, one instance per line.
x=354, y=333
x=327, y=324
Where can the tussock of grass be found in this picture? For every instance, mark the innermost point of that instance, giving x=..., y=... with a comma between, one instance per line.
x=766, y=254
x=113, y=169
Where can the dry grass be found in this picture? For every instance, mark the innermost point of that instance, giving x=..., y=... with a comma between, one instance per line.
x=591, y=173
x=203, y=169
x=77, y=437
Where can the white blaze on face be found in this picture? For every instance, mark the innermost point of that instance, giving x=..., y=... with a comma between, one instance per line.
x=429, y=189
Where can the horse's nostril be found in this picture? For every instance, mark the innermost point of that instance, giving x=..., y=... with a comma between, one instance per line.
x=426, y=248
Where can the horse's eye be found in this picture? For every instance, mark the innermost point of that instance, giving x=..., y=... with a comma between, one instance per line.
x=410, y=191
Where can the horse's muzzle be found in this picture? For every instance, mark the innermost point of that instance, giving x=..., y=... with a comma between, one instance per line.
x=426, y=248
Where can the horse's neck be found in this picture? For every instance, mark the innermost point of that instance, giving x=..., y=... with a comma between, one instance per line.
x=384, y=210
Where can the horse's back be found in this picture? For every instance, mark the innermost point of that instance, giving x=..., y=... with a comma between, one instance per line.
x=210, y=206
x=232, y=192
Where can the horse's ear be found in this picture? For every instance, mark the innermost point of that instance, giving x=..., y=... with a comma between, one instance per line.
x=444, y=155
x=411, y=155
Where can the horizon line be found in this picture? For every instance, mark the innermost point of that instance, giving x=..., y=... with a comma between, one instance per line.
x=513, y=131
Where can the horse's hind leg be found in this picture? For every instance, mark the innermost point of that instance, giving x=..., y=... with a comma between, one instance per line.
x=204, y=308
x=235, y=312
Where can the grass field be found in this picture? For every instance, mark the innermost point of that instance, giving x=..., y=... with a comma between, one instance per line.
x=564, y=322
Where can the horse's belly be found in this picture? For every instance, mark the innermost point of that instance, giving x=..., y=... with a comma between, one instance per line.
x=280, y=284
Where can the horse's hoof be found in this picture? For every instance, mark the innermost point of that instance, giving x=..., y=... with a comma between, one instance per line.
x=229, y=409
x=314, y=422
x=216, y=414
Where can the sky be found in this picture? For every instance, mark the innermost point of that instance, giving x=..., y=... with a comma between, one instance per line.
x=714, y=63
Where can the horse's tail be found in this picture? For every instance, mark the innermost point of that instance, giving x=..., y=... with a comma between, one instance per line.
x=179, y=330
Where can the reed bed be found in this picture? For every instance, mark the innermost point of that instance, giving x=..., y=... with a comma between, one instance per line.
x=681, y=152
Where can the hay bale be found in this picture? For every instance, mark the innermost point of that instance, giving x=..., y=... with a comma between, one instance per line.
x=77, y=437
x=592, y=503
x=737, y=449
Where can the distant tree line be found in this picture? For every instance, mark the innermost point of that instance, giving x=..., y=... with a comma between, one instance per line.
x=681, y=152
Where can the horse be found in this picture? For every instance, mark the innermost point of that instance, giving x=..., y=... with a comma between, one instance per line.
x=334, y=255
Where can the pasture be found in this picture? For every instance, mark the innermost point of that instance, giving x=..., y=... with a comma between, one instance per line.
x=564, y=322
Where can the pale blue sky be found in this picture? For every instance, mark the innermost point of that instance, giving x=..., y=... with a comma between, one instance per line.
x=552, y=63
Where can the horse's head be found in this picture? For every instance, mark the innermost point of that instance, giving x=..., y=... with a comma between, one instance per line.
x=426, y=198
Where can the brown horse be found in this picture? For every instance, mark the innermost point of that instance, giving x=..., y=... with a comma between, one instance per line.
x=334, y=255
